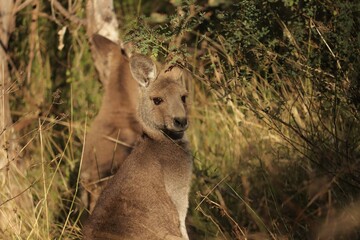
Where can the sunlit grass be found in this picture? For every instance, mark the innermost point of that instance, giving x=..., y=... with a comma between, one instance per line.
x=272, y=154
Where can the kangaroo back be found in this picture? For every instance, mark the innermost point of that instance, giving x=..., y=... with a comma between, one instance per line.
x=115, y=128
x=148, y=196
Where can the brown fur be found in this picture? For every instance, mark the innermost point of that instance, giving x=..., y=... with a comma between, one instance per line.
x=148, y=196
x=116, y=120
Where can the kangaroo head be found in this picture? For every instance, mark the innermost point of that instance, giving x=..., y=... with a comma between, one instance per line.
x=162, y=105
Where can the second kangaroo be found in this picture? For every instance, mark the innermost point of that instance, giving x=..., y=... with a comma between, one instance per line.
x=115, y=128
x=148, y=196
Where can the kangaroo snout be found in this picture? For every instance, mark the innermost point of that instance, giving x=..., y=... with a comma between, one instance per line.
x=180, y=123
x=176, y=128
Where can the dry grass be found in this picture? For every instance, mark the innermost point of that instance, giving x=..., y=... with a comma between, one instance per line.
x=272, y=161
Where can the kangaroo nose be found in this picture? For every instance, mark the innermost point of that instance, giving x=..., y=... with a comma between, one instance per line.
x=180, y=122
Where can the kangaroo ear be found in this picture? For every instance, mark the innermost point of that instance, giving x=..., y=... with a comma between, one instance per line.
x=180, y=74
x=104, y=45
x=186, y=79
x=143, y=69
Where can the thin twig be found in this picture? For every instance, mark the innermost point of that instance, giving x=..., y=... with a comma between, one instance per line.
x=66, y=14
x=118, y=141
x=206, y=196
x=18, y=195
x=20, y=6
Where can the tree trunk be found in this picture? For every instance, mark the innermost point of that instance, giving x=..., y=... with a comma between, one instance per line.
x=15, y=201
x=101, y=19
x=6, y=26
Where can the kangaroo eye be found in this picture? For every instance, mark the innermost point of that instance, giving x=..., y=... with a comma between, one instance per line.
x=183, y=99
x=157, y=100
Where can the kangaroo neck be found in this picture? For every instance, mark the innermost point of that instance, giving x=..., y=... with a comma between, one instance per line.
x=121, y=91
x=165, y=144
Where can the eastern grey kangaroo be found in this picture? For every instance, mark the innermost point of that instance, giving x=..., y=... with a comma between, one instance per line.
x=148, y=196
x=115, y=128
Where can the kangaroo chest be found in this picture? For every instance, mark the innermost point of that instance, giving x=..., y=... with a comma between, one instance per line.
x=177, y=174
x=176, y=164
